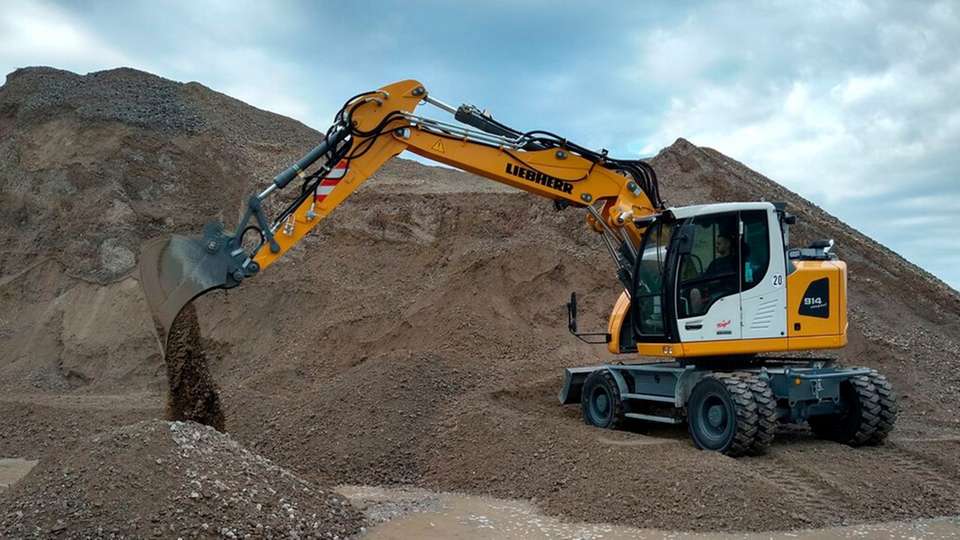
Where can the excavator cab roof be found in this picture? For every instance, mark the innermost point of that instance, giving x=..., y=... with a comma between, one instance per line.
x=683, y=212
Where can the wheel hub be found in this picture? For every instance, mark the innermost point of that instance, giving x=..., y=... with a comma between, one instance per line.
x=601, y=403
x=715, y=416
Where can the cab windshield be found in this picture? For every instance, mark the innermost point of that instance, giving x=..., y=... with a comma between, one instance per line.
x=649, y=292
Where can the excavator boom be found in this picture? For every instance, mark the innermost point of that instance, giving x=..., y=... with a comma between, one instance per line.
x=369, y=130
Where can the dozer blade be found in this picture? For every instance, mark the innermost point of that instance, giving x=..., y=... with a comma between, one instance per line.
x=175, y=270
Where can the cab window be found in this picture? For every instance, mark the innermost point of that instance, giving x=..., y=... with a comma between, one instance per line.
x=754, y=248
x=711, y=270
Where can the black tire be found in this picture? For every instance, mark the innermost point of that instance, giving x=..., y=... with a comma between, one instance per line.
x=888, y=407
x=766, y=412
x=600, y=400
x=859, y=422
x=722, y=415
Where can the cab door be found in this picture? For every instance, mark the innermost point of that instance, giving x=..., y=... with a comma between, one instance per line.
x=648, y=294
x=763, y=296
x=708, y=279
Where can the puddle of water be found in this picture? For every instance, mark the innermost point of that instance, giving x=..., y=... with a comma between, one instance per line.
x=13, y=469
x=398, y=514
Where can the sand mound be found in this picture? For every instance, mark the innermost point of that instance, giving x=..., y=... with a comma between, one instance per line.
x=170, y=479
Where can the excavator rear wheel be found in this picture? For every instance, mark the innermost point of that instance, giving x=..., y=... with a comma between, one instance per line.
x=888, y=407
x=870, y=410
x=600, y=401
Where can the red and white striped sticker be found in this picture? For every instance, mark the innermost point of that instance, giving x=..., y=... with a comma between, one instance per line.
x=331, y=180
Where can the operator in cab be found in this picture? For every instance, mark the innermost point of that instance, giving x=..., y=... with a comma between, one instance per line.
x=725, y=262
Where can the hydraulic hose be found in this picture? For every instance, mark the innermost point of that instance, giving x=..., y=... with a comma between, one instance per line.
x=329, y=143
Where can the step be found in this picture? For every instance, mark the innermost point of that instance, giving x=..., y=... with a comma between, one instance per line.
x=652, y=418
x=650, y=397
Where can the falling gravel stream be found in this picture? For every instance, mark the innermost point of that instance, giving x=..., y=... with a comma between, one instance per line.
x=192, y=394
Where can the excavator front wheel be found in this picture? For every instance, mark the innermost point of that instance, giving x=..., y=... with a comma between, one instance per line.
x=601, y=403
x=722, y=415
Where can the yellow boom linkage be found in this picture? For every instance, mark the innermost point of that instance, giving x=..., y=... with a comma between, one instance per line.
x=552, y=173
x=372, y=128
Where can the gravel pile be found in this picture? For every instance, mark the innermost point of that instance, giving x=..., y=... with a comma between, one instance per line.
x=128, y=155
x=119, y=95
x=170, y=479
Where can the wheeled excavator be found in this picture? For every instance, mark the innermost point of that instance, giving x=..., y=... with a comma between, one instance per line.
x=712, y=294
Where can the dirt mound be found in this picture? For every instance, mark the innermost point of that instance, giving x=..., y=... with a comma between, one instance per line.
x=111, y=150
x=169, y=479
x=418, y=336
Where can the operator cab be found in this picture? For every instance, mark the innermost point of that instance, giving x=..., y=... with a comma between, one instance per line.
x=713, y=279
x=706, y=273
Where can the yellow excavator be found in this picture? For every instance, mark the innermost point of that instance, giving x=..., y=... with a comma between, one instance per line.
x=711, y=293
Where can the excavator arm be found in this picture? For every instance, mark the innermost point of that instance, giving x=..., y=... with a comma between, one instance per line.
x=620, y=196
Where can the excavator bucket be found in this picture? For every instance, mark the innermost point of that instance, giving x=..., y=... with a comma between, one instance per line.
x=175, y=270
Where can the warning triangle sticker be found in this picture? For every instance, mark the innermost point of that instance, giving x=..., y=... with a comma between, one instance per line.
x=438, y=146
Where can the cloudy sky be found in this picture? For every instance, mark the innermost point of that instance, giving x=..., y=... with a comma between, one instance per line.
x=855, y=105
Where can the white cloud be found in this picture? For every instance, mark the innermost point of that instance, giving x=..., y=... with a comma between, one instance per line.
x=673, y=56
x=842, y=102
x=218, y=53
x=250, y=74
x=829, y=127
x=39, y=34
x=856, y=89
x=950, y=205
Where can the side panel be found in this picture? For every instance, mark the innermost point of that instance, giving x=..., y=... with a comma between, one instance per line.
x=815, y=302
x=721, y=322
x=740, y=346
x=844, y=323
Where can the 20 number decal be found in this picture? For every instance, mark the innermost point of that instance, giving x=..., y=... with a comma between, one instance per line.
x=778, y=280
